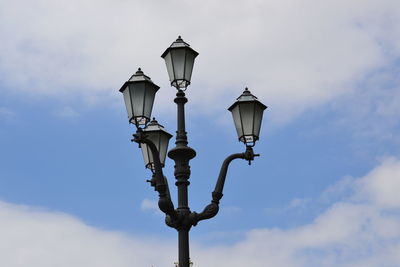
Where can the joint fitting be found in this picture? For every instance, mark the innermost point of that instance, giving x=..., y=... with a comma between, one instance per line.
x=249, y=154
x=184, y=220
x=139, y=136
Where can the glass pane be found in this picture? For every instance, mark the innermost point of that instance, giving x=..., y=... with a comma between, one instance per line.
x=189, y=65
x=128, y=104
x=247, y=115
x=178, y=61
x=137, y=98
x=146, y=155
x=258, y=114
x=163, y=148
x=236, y=120
x=154, y=137
x=170, y=68
x=149, y=100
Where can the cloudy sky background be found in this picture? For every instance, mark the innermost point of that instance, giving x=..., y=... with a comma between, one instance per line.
x=323, y=193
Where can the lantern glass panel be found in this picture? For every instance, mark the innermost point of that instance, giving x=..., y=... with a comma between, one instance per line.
x=247, y=117
x=154, y=137
x=128, y=103
x=258, y=114
x=170, y=66
x=190, y=56
x=162, y=147
x=178, y=61
x=237, y=121
x=137, y=92
x=149, y=96
x=147, y=156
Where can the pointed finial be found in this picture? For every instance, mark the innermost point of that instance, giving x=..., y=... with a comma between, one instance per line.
x=154, y=121
x=246, y=91
x=139, y=71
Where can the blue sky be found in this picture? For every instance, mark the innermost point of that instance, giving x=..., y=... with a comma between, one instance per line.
x=323, y=192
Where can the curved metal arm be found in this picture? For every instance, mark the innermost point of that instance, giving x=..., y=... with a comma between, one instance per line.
x=159, y=181
x=212, y=209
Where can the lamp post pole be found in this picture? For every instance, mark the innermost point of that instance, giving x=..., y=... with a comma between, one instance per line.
x=139, y=94
x=182, y=154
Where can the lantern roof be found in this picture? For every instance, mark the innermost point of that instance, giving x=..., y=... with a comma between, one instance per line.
x=139, y=76
x=246, y=96
x=154, y=126
x=179, y=43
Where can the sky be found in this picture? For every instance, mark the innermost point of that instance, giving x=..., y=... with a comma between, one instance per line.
x=324, y=191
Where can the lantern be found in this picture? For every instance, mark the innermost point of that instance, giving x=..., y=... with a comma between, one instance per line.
x=247, y=114
x=179, y=58
x=160, y=138
x=139, y=92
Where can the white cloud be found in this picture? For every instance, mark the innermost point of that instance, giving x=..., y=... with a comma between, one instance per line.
x=67, y=112
x=298, y=203
x=363, y=230
x=231, y=210
x=340, y=190
x=38, y=238
x=6, y=113
x=371, y=111
x=149, y=205
x=382, y=185
x=293, y=54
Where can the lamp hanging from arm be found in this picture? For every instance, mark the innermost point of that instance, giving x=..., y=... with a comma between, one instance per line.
x=139, y=93
x=179, y=58
x=155, y=133
x=247, y=114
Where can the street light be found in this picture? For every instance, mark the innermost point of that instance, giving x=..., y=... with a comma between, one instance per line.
x=247, y=114
x=139, y=93
x=156, y=134
x=179, y=59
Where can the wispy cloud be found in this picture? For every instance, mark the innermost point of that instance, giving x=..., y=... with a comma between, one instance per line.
x=363, y=230
x=293, y=55
x=34, y=238
x=6, y=113
x=148, y=205
x=371, y=111
x=67, y=112
x=342, y=189
x=298, y=203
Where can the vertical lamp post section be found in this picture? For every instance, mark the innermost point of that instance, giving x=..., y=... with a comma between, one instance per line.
x=139, y=93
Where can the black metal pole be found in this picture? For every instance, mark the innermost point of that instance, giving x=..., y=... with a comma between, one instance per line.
x=181, y=137
x=182, y=154
x=183, y=246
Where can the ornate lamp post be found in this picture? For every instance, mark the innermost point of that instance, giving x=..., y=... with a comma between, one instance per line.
x=139, y=93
